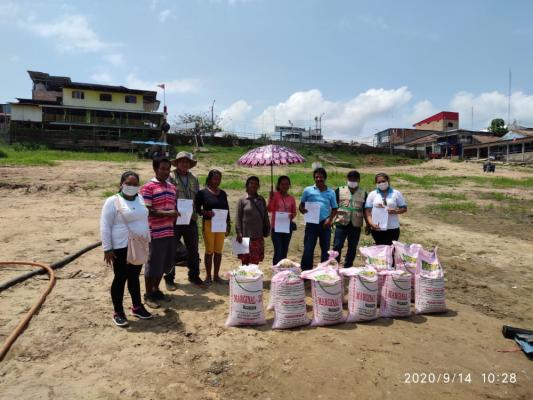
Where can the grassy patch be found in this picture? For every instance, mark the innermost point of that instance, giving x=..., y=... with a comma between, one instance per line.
x=220, y=155
x=430, y=181
x=448, y=195
x=452, y=206
x=299, y=180
x=501, y=182
x=497, y=196
x=108, y=193
x=21, y=155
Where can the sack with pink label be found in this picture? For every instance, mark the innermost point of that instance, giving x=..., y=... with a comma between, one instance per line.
x=331, y=262
x=327, y=293
x=378, y=257
x=246, y=296
x=283, y=265
x=291, y=310
x=429, y=284
x=405, y=259
x=362, y=293
x=395, y=294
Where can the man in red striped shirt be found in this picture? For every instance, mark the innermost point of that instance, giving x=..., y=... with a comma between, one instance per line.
x=160, y=198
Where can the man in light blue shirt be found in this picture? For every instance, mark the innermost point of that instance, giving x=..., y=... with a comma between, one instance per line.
x=319, y=193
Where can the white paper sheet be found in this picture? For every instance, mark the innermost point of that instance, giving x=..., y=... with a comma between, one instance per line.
x=283, y=222
x=312, y=215
x=185, y=210
x=241, y=248
x=218, y=221
x=380, y=217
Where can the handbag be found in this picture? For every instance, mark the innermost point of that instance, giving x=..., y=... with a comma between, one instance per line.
x=138, y=245
x=293, y=225
x=266, y=226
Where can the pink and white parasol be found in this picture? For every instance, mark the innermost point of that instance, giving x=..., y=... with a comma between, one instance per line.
x=270, y=155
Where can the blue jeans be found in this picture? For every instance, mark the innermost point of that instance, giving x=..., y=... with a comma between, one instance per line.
x=341, y=233
x=280, y=241
x=312, y=233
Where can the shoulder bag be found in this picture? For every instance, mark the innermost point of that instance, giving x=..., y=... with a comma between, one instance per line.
x=138, y=245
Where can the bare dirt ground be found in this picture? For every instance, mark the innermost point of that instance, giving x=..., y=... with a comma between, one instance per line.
x=71, y=349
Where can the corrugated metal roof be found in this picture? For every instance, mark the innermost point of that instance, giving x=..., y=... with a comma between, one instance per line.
x=424, y=139
x=484, y=138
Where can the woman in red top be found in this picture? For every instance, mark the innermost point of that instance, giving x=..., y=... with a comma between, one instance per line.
x=281, y=201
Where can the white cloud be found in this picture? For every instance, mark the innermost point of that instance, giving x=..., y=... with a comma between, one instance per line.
x=234, y=113
x=70, y=34
x=491, y=105
x=153, y=4
x=376, y=22
x=163, y=15
x=420, y=111
x=173, y=86
x=13, y=58
x=9, y=11
x=346, y=119
x=102, y=78
x=232, y=2
x=115, y=59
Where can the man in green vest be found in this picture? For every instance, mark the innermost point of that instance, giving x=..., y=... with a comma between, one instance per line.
x=349, y=219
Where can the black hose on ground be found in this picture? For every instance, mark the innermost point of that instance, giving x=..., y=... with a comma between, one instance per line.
x=56, y=265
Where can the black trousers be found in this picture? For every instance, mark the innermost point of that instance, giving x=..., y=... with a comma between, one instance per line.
x=190, y=239
x=125, y=272
x=386, y=237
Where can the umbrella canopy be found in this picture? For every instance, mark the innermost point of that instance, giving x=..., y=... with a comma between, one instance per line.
x=270, y=155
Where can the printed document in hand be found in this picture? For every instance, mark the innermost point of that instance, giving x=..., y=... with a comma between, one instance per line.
x=283, y=222
x=185, y=210
x=380, y=217
x=241, y=248
x=218, y=221
x=312, y=215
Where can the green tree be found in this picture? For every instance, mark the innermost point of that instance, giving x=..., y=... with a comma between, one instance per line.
x=201, y=123
x=497, y=126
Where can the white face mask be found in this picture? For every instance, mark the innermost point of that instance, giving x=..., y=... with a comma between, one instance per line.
x=130, y=190
x=352, y=185
x=383, y=186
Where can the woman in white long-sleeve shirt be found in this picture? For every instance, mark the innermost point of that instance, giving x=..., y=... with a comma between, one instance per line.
x=121, y=213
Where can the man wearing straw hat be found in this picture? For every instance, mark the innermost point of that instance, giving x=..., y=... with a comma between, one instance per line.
x=186, y=188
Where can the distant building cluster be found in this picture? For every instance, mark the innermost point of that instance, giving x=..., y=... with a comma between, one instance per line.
x=102, y=116
x=439, y=136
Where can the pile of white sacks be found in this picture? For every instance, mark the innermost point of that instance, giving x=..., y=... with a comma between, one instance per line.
x=415, y=275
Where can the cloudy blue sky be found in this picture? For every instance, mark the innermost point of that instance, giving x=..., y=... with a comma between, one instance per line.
x=366, y=65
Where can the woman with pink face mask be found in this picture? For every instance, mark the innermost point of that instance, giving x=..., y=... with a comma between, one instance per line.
x=392, y=200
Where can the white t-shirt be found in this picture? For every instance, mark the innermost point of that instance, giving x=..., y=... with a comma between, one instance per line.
x=394, y=200
x=113, y=230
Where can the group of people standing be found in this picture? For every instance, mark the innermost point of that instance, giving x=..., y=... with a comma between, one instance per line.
x=150, y=212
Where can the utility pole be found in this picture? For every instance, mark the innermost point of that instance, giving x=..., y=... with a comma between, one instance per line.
x=509, y=101
x=212, y=119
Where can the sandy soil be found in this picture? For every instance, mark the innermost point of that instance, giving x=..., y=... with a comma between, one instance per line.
x=71, y=349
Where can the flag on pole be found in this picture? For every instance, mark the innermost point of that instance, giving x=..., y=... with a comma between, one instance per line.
x=162, y=86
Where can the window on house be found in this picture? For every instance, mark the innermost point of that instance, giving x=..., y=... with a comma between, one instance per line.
x=130, y=99
x=450, y=124
x=105, y=97
x=78, y=94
